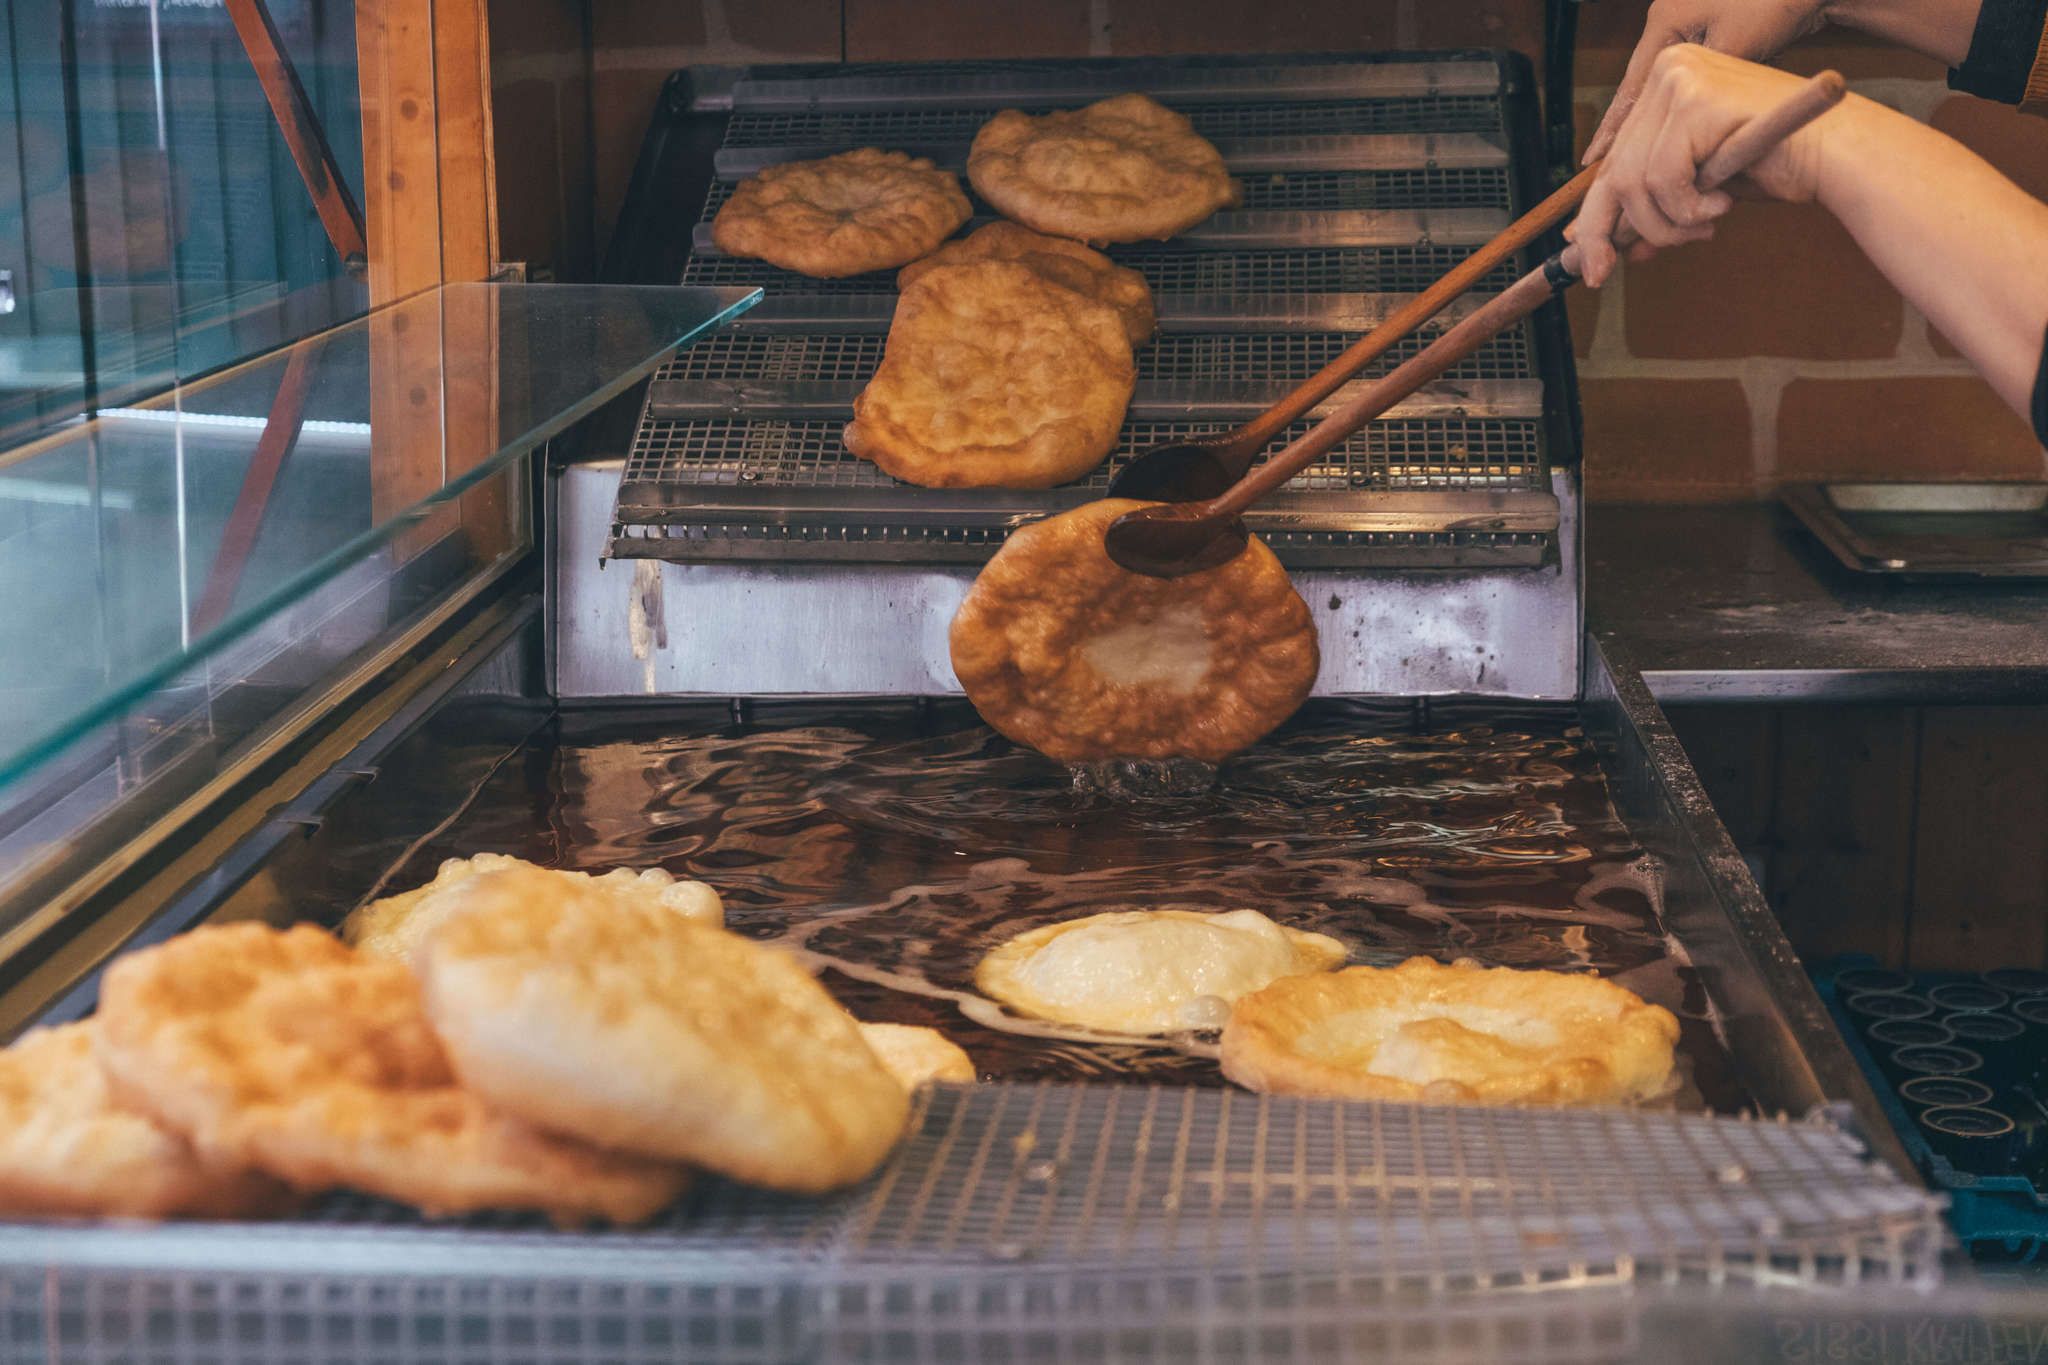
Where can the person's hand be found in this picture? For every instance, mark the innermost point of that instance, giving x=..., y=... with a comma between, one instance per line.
x=1756, y=29
x=1692, y=100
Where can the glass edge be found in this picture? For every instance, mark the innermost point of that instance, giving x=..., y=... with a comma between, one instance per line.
x=238, y=624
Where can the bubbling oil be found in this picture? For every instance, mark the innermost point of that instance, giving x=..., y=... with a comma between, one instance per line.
x=895, y=849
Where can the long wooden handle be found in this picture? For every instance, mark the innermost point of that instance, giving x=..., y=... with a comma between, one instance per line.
x=1743, y=148
x=1257, y=433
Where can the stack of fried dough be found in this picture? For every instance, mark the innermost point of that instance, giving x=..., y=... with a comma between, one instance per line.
x=1009, y=360
x=507, y=1037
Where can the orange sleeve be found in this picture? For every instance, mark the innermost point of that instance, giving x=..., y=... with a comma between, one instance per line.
x=2035, y=99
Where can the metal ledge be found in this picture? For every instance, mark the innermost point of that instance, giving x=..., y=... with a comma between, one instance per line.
x=1243, y=155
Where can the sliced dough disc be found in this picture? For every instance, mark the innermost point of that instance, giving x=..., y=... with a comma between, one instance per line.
x=636, y=1028
x=1458, y=1034
x=286, y=1051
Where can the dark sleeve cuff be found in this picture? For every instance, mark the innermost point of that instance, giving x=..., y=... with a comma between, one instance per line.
x=2041, y=395
x=2003, y=49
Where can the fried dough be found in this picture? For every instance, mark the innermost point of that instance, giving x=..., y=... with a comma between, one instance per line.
x=843, y=215
x=1459, y=1034
x=994, y=378
x=914, y=1055
x=287, y=1051
x=394, y=926
x=68, y=1150
x=1121, y=170
x=1060, y=261
x=635, y=1026
x=1148, y=971
x=1061, y=649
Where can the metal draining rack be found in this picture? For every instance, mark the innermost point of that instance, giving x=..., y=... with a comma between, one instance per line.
x=1079, y=1218
x=1362, y=183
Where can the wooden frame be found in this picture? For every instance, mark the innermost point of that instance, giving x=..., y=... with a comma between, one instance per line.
x=430, y=217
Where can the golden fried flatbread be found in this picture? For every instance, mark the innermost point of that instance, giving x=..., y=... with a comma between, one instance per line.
x=1123, y=169
x=915, y=1055
x=1459, y=1034
x=287, y=1051
x=633, y=1026
x=843, y=215
x=394, y=926
x=994, y=378
x=1148, y=971
x=1060, y=648
x=1058, y=259
x=68, y=1150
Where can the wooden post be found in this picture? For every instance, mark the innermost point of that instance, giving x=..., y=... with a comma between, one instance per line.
x=430, y=217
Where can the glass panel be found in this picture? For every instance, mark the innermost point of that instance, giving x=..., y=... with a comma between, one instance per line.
x=234, y=538
x=153, y=225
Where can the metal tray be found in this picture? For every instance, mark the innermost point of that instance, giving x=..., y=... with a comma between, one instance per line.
x=1362, y=181
x=1930, y=531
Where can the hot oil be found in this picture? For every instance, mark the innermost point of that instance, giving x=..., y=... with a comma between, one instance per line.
x=896, y=848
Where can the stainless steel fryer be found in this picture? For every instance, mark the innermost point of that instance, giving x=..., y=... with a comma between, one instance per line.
x=1032, y=1221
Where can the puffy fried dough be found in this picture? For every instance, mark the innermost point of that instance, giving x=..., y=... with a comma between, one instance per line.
x=914, y=1055
x=1059, y=260
x=994, y=378
x=1121, y=170
x=630, y=1025
x=394, y=926
x=1462, y=1034
x=843, y=215
x=68, y=1150
x=1148, y=971
x=287, y=1051
x=1061, y=649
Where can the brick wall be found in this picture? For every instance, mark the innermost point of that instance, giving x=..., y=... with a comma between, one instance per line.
x=1775, y=352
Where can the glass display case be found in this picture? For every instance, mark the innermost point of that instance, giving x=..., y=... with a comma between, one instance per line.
x=181, y=576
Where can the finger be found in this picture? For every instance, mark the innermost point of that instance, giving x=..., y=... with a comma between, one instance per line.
x=1593, y=231
x=1671, y=175
x=1633, y=79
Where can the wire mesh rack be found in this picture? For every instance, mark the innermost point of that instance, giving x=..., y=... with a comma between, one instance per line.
x=1360, y=187
x=1096, y=1221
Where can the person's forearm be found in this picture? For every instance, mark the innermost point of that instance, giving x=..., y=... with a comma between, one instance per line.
x=1939, y=28
x=1966, y=245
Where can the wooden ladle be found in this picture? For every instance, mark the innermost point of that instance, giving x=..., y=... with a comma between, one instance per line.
x=1175, y=539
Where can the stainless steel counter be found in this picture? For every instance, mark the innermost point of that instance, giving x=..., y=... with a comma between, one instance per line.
x=1738, y=603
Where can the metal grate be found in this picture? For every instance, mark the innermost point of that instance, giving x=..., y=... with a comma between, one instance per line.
x=1121, y=1210
x=1440, y=1200
x=1456, y=187
x=1260, y=303
x=898, y=127
x=851, y=358
x=1459, y=188
x=1319, y=270
x=1427, y=453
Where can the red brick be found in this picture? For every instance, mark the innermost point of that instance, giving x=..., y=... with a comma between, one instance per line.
x=1667, y=440
x=1777, y=279
x=529, y=183
x=537, y=28
x=1611, y=24
x=621, y=103
x=1515, y=24
x=2015, y=143
x=680, y=23
x=928, y=30
x=790, y=28
x=1582, y=306
x=1903, y=428
x=1156, y=27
